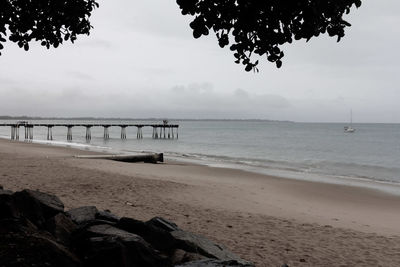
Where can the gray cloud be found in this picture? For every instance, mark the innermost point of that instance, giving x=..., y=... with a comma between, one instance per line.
x=80, y=75
x=96, y=43
x=205, y=99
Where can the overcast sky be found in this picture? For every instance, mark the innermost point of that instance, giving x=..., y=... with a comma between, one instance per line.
x=141, y=61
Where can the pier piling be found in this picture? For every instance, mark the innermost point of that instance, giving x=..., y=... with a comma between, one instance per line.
x=123, y=132
x=106, y=132
x=49, y=132
x=88, y=133
x=139, y=134
x=30, y=132
x=69, y=133
x=14, y=132
x=26, y=132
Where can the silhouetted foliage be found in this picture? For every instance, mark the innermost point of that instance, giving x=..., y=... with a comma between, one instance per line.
x=249, y=27
x=48, y=21
x=262, y=26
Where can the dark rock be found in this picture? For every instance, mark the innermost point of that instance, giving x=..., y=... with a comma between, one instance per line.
x=21, y=244
x=285, y=265
x=163, y=224
x=35, y=231
x=201, y=245
x=107, y=216
x=108, y=230
x=37, y=206
x=82, y=215
x=180, y=256
x=17, y=225
x=1, y=187
x=214, y=263
x=21, y=250
x=8, y=208
x=95, y=222
x=112, y=251
x=157, y=237
x=61, y=227
x=132, y=226
x=6, y=192
x=51, y=204
x=106, y=245
x=167, y=236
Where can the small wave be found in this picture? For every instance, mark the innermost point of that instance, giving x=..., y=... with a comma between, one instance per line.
x=66, y=144
x=323, y=170
x=71, y=144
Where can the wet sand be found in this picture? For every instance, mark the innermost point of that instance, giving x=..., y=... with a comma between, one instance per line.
x=265, y=219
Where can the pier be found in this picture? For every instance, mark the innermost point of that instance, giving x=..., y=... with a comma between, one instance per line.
x=160, y=131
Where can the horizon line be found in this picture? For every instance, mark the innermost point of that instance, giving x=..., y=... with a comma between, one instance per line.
x=25, y=117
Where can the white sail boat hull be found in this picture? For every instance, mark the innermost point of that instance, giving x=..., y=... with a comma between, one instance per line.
x=350, y=129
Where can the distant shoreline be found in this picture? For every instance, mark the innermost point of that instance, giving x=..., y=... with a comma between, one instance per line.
x=5, y=117
x=135, y=119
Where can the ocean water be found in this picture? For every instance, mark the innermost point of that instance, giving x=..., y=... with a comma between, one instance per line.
x=313, y=151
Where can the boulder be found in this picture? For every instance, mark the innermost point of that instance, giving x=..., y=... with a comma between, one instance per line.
x=163, y=224
x=6, y=192
x=16, y=225
x=1, y=187
x=61, y=227
x=83, y=215
x=34, y=250
x=157, y=237
x=180, y=256
x=105, y=245
x=8, y=208
x=214, y=263
x=50, y=204
x=35, y=231
x=194, y=243
x=86, y=214
x=108, y=230
x=132, y=226
x=107, y=216
x=22, y=244
x=37, y=206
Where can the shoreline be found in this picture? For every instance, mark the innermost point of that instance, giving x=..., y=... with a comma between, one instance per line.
x=265, y=219
x=388, y=187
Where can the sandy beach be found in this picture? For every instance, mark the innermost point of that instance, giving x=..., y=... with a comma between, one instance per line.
x=264, y=219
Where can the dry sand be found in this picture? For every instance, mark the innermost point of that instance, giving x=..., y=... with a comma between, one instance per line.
x=264, y=219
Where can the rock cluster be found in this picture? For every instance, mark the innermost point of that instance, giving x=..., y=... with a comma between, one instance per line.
x=36, y=231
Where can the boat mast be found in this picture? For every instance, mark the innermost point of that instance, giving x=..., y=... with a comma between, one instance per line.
x=351, y=117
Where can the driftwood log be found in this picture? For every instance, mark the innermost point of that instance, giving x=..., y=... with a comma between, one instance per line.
x=147, y=158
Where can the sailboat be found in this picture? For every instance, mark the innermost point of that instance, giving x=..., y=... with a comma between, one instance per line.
x=350, y=129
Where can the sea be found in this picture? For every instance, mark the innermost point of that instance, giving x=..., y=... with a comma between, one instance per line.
x=323, y=152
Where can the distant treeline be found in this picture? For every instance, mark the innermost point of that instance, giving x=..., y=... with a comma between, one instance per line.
x=124, y=119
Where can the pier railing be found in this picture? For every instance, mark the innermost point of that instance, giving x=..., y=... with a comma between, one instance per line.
x=160, y=131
